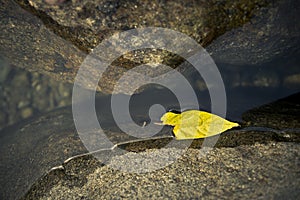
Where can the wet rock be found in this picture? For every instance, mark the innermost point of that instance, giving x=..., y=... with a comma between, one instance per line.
x=272, y=32
x=240, y=172
x=202, y=20
x=31, y=149
x=26, y=42
x=54, y=39
x=281, y=114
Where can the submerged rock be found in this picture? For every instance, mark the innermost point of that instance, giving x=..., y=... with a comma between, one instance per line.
x=24, y=94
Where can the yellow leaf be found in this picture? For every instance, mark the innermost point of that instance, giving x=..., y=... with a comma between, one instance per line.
x=193, y=124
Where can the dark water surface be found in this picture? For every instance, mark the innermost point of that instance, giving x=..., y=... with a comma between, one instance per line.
x=246, y=87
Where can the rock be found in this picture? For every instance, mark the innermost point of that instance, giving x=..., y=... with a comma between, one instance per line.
x=31, y=149
x=240, y=173
x=282, y=114
x=201, y=20
x=55, y=39
x=273, y=32
x=26, y=42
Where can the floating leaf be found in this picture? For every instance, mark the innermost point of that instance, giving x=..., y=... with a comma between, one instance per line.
x=193, y=124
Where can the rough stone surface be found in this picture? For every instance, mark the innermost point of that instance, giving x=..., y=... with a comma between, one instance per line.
x=268, y=171
x=54, y=39
x=31, y=149
x=26, y=42
x=201, y=20
x=282, y=114
x=273, y=32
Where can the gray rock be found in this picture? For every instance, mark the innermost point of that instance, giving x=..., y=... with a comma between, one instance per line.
x=54, y=39
x=30, y=150
x=282, y=114
x=268, y=171
x=273, y=32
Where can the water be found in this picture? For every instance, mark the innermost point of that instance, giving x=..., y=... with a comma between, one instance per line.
x=246, y=87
